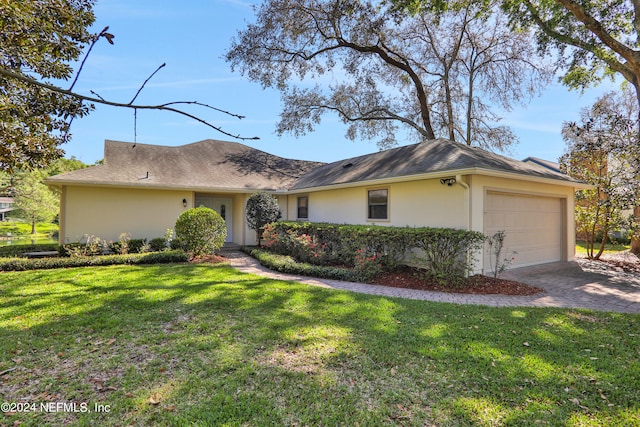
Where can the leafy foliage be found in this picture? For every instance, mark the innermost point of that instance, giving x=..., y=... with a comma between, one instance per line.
x=19, y=250
x=200, y=231
x=290, y=265
x=427, y=75
x=603, y=150
x=41, y=39
x=441, y=252
x=262, y=209
x=594, y=39
x=21, y=264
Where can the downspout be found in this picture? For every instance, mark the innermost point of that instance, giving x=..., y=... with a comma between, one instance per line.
x=466, y=187
x=469, y=211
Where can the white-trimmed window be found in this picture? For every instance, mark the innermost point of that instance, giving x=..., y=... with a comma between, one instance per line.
x=378, y=204
x=303, y=207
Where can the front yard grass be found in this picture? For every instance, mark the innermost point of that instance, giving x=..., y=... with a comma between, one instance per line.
x=197, y=344
x=609, y=248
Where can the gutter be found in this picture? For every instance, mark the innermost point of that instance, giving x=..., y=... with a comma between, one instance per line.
x=429, y=175
x=568, y=182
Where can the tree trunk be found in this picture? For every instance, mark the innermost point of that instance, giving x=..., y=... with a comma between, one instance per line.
x=33, y=227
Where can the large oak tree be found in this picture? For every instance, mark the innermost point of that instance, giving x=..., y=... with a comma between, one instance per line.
x=381, y=69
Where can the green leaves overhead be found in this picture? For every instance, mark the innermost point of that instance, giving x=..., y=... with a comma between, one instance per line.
x=39, y=39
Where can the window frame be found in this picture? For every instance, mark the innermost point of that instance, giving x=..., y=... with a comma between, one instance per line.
x=298, y=207
x=369, y=204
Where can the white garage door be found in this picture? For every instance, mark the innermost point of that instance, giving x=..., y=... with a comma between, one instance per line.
x=533, y=225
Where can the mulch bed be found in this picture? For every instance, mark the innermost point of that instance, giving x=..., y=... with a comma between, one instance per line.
x=412, y=278
x=478, y=284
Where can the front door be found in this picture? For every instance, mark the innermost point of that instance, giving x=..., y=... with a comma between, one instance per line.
x=223, y=206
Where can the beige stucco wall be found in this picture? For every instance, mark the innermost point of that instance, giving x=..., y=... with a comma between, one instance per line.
x=429, y=203
x=108, y=212
x=413, y=203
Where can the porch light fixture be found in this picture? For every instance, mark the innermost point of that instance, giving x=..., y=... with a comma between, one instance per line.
x=184, y=203
x=447, y=181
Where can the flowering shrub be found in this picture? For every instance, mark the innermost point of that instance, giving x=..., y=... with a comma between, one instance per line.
x=367, y=266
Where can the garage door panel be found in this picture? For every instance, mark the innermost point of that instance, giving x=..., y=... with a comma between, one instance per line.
x=533, y=226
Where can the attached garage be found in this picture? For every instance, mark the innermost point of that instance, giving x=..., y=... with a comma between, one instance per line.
x=535, y=227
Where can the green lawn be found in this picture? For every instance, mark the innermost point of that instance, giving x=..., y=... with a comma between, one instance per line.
x=21, y=232
x=206, y=345
x=609, y=248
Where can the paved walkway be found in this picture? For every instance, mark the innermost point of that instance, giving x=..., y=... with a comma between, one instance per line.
x=578, y=284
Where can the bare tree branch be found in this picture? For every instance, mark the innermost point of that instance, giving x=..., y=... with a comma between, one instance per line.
x=146, y=81
x=164, y=107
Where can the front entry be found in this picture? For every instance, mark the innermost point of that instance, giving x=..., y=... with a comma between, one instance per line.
x=223, y=206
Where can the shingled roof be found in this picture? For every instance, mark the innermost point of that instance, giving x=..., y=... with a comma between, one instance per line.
x=212, y=165
x=435, y=156
x=205, y=165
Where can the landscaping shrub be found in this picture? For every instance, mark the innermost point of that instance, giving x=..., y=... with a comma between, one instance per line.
x=447, y=254
x=21, y=264
x=92, y=246
x=442, y=252
x=262, y=209
x=19, y=250
x=158, y=244
x=287, y=264
x=137, y=246
x=200, y=231
x=122, y=245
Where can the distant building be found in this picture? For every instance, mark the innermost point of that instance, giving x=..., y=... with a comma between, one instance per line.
x=6, y=206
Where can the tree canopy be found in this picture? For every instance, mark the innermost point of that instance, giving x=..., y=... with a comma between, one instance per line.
x=603, y=150
x=381, y=69
x=40, y=43
x=39, y=39
x=595, y=39
x=592, y=40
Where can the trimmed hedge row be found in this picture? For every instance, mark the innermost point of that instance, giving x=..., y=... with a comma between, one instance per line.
x=287, y=264
x=22, y=264
x=18, y=250
x=442, y=252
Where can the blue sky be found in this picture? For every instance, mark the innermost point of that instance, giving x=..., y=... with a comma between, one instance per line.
x=191, y=38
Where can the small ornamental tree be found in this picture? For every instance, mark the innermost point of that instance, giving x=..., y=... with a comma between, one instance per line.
x=200, y=231
x=262, y=209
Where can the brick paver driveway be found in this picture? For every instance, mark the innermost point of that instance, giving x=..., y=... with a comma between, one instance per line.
x=582, y=284
x=578, y=284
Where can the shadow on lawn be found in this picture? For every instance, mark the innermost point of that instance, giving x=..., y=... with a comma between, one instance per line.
x=204, y=345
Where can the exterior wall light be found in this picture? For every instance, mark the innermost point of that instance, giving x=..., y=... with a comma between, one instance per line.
x=448, y=181
x=184, y=203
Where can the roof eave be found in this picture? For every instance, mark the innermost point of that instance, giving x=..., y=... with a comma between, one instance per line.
x=127, y=185
x=451, y=172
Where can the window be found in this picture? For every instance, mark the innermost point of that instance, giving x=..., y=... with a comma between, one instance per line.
x=303, y=207
x=378, y=201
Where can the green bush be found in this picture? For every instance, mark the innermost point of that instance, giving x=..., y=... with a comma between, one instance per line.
x=447, y=254
x=137, y=246
x=262, y=209
x=287, y=264
x=19, y=250
x=158, y=244
x=200, y=231
x=21, y=264
x=442, y=252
